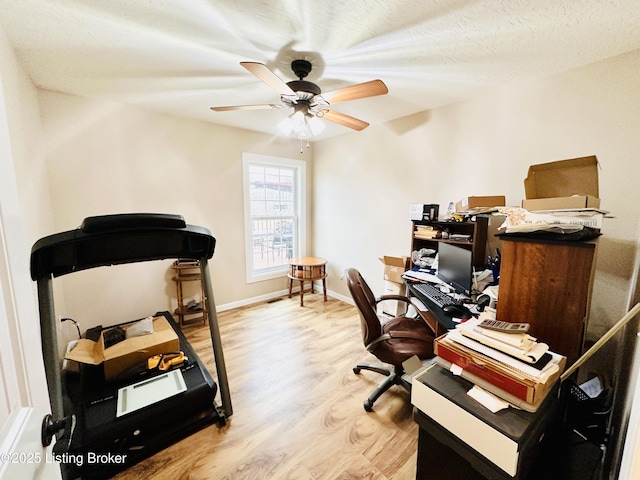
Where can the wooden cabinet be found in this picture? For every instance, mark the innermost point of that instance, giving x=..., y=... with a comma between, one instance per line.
x=548, y=284
x=186, y=273
x=471, y=235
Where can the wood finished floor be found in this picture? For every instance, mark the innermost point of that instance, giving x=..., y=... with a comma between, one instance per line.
x=297, y=404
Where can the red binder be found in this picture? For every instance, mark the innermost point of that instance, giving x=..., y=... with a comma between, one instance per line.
x=522, y=388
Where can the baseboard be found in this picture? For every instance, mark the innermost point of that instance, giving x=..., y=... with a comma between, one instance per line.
x=345, y=299
x=270, y=296
x=250, y=301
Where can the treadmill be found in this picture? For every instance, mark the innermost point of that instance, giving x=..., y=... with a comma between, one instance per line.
x=92, y=440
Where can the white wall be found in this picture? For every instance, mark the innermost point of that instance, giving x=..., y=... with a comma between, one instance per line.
x=19, y=116
x=364, y=182
x=27, y=149
x=104, y=159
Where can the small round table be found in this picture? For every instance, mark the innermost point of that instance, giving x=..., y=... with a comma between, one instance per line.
x=307, y=268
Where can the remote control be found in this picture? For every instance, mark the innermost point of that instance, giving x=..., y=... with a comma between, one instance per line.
x=506, y=327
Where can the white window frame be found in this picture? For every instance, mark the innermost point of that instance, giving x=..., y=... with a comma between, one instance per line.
x=300, y=180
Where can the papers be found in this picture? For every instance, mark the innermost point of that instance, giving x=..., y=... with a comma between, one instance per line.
x=503, y=361
x=487, y=400
x=580, y=212
x=519, y=220
x=519, y=345
x=520, y=383
x=427, y=232
x=417, y=275
x=518, y=340
x=593, y=387
x=417, y=303
x=479, y=276
x=460, y=237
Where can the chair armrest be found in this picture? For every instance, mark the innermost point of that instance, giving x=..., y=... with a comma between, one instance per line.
x=400, y=298
x=391, y=335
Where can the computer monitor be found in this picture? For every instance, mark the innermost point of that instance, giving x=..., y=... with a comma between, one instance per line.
x=455, y=267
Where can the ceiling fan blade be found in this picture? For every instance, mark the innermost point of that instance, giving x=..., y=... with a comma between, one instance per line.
x=344, y=120
x=266, y=106
x=262, y=72
x=354, y=92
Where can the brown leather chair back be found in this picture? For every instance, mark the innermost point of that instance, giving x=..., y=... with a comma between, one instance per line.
x=365, y=300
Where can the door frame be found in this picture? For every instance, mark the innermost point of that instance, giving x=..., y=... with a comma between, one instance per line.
x=24, y=399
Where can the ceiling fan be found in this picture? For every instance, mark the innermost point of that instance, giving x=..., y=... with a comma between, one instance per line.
x=307, y=100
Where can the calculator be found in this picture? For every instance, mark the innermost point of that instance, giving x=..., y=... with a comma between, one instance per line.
x=506, y=327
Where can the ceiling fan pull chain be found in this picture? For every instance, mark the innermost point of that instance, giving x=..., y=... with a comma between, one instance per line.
x=301, y=145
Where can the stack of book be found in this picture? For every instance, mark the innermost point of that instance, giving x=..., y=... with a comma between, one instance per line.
x=427, y=232
x=512, y=366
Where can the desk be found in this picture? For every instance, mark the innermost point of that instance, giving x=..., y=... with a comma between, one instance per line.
x=307, y=268
x=434, y=317
x=459, y=438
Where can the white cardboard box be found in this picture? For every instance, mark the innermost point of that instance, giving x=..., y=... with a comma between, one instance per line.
x=394, y=268
x=394, y=308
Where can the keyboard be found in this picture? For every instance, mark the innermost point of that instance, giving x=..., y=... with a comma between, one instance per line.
x=434, y=294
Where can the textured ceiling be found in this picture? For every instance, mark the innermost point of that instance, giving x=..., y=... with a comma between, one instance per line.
x=182, y=56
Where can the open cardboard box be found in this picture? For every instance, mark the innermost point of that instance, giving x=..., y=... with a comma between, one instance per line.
x=394, y=267
x=565, y=184
x=126, y=354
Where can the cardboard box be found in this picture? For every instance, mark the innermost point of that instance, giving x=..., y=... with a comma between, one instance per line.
x=394, y=267
x=563, y=184
x=561, y=203
x=127, y=353
x=394, y=308
x=475, y=202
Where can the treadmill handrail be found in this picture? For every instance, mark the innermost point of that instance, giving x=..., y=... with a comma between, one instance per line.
x=124, y=241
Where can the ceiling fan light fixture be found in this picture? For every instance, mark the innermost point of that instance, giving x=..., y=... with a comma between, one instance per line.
x=301, y=124
x=316, y=125
x=285, y=126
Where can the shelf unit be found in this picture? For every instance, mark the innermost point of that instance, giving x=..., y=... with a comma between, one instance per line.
x=189, y=271
x=476, y=230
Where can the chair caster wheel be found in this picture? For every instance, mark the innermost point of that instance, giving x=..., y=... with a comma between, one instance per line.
x=368, y=406
x=356, y=370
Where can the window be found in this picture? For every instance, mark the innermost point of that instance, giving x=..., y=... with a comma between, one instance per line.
x=274, y=193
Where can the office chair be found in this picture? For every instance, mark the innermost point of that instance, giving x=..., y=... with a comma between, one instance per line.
x=392, y=342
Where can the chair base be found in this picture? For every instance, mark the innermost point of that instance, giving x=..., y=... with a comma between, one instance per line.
x=393, y=377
